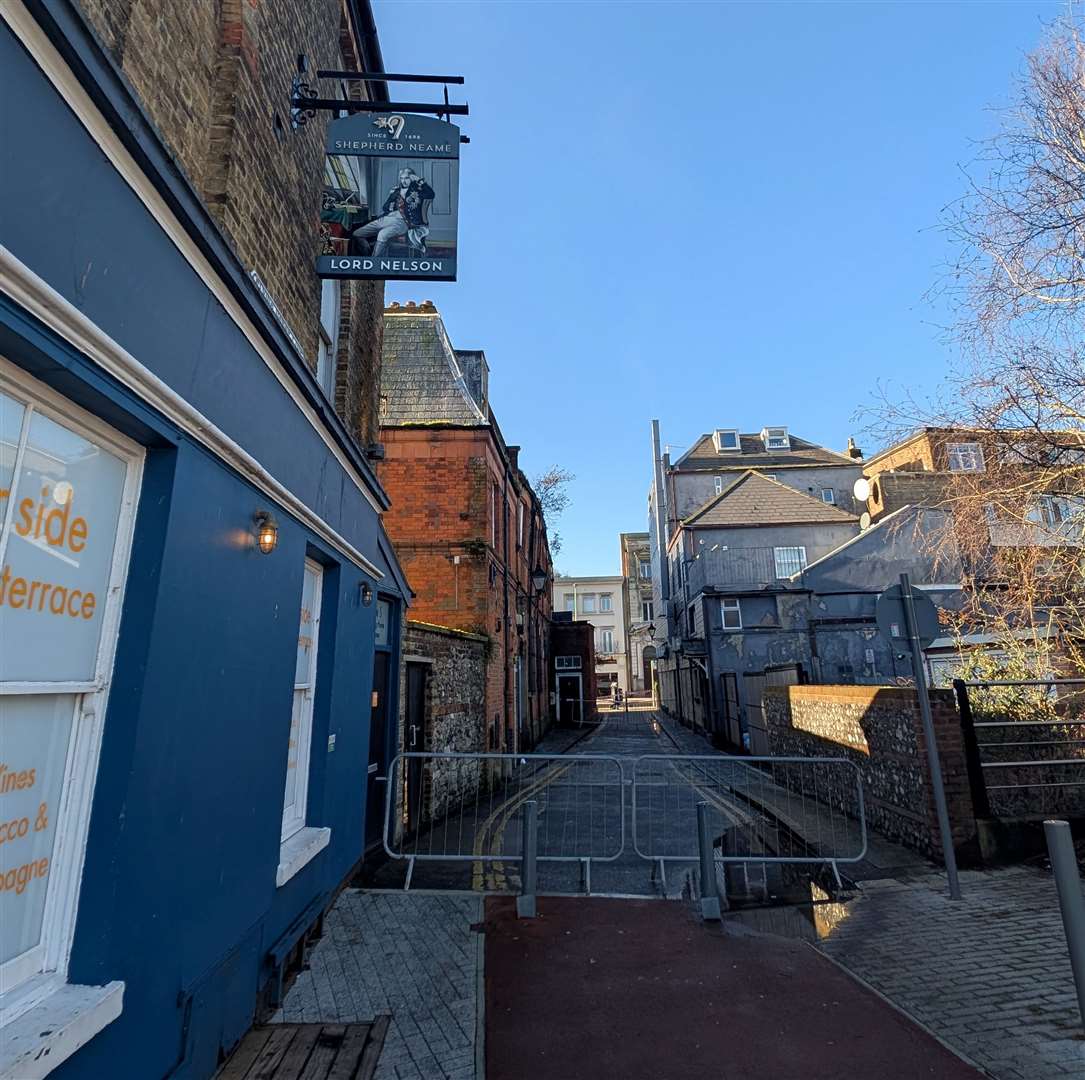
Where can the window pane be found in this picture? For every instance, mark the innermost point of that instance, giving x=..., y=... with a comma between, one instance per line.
x=59, y=555
x=35, y=732
x=605, y=602
x=587, y=603
x=11, y=425
x=789, y=560
x=297, y=723
x=306, y=644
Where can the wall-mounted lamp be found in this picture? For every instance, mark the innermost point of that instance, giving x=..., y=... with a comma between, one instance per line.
x=267, y=531
x=538, y=579
x=367, y=594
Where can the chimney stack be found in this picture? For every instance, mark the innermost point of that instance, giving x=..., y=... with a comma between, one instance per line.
x=853, y=451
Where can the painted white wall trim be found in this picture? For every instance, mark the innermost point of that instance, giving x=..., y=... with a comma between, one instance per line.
x=41, y=1039
x=46, y=304
x=27, y=30
x=298, y=850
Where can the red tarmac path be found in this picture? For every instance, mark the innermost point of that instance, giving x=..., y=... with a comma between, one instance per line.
x=643, y=990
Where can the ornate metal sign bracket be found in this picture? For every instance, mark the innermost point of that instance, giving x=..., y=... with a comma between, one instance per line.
x=305, y=99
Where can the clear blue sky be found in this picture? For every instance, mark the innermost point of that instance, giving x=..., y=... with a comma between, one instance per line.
x=717, y=215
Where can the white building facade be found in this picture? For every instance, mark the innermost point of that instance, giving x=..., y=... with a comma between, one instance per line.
x=599, y=601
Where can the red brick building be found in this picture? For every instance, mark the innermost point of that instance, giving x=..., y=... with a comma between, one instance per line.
x=466, y=524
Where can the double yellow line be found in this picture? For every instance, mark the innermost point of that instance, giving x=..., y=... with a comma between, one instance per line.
x=491, y=876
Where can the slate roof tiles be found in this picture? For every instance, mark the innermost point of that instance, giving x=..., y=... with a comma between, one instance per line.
x=753, y=499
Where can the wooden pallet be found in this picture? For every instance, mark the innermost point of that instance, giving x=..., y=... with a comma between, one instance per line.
x=308, y=1052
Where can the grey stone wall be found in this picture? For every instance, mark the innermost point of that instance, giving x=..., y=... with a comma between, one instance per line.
x=879, y=728
x=455, y=709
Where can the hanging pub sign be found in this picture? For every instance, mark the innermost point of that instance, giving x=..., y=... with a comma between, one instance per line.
x=391, y=189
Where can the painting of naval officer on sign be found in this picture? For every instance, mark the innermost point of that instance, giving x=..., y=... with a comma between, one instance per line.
x=389, y=206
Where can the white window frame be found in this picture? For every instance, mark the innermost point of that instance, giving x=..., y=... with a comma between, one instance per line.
x=718, y=484
x=331, y=300
x=776, y=438
x=570, y=602
x=719, y=436
x=730, y=605
x=647, y=612
x=831, y=493
x=606, y=602
x=965, y=457
x=304, y=694
x=519, y=524
x=645, y=570
x=606, y=642
x=29, y=979
x=587, y=603
x=778, y=554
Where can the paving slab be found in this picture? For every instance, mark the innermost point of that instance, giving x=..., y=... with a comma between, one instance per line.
x=643, y=990
x=989, y=973
x=413, y=956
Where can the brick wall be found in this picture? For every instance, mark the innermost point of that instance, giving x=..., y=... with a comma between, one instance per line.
x=440, y=480
x=214, y=79
x=890, y=491
x=879, y=728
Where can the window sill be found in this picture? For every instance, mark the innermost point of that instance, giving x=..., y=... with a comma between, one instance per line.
x=296, y=851
x=48, y=1034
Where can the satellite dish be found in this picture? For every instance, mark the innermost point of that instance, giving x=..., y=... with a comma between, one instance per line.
x=864, y=521
x=861, y=490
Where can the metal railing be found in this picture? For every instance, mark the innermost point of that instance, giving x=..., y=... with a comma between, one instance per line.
x=733, y=566
x=469, y=807
x=1024, y=746
x=767, y=809
x=492, y=809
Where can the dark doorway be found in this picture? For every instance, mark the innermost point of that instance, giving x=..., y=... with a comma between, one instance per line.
x=378, y=746
x=732, y=727
x=415, y=739
x=570, y=699
x=646, y=658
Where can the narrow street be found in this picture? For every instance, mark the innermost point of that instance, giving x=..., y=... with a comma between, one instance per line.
x=594, y=836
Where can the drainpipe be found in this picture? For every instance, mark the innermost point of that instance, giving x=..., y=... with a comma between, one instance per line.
x=659, y=511
x=505, y=602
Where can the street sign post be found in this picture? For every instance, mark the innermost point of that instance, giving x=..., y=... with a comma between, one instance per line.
x=901, y=609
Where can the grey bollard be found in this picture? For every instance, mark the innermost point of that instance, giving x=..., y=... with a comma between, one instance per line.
x=710, y=894
x=525, y=902
x=1060, y=847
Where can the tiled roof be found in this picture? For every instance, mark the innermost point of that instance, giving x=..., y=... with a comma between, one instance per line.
x=703, y=455
x=753, y=499
x=421, y=379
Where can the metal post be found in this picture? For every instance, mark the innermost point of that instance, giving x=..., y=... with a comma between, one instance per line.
x=525, y=902
x=710, y=894
x=1060, y=848
x=933, y=759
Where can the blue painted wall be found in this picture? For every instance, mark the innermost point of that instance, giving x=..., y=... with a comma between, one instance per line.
x=178, y=897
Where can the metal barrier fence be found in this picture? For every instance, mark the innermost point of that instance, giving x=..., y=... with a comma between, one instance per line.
x=523, y=808
x=1024, y=746
x=469, y=807
x=757, y=809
